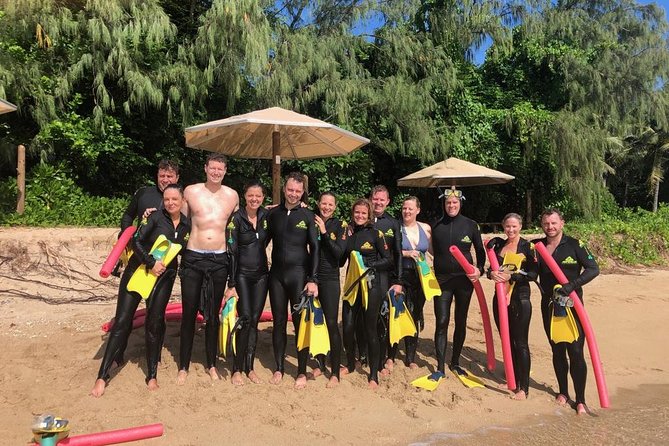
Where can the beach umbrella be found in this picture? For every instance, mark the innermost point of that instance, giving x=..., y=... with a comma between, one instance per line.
x=273, y=133
x=454, y=172
x=6, y=107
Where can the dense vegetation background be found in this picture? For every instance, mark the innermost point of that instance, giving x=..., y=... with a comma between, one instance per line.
x=571, y=98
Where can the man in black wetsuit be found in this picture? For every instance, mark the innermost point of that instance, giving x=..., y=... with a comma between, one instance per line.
x=392, y=232
x=580, y=267
x=454, y=229
x=292, y=229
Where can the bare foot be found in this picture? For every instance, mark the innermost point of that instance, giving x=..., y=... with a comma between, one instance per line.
x=213, y=374
x=332, y=383
x=582, y=409
x=181, y=377
x=413, y=366
x=372, y=385
x=152, y=384
x=562, y=400
x=316, y=372
x=519, y=395
x=389, y=365
x=99, y=388
x=343, y=370
x=237, y=379
x=276, y=378
x=301, y=381
x=253, y=377
x=384, y=372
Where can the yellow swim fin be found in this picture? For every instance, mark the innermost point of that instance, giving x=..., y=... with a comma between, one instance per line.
x=319, y=339
x=563, y=326
x=466, y=377
x=428, y=281
x=226, y=334
x=429, y=382
x=400, y=322
x=511, y=264
x=356, y=276
x=143, y=280
x=303, y=334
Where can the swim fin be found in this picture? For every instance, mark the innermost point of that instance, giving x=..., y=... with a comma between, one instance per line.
x=466, y=377
x=313, y=332
x=357, y=279
x=400, y=322
x=429, y=382
x=226, y=332
x=511, y=264
x=428, y=281
x=143, y=280
x=563, y=326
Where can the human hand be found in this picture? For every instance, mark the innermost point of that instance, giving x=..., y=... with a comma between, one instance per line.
x=321, y=224
x=311, y=288
x=474, y=276
x=229, y=293
x=396, y=288
x=148, y=212
x=158, y=268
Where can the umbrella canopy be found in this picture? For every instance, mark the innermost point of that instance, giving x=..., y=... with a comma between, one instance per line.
x=454, y=172
x=273, y=133
x=6, y=107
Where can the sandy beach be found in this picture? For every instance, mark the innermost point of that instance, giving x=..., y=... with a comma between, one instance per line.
x=53, y=303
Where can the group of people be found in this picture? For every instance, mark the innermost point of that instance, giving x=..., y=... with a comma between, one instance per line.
x=224, y=255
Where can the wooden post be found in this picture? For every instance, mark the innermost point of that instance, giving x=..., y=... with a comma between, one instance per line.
x=305, y=195
x=528, y=206
x=21, y=179
x=276, y=166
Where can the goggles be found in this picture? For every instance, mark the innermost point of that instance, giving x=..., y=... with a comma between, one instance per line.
x=453, y=192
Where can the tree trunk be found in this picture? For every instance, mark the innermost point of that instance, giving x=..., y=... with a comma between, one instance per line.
x=656, y=194
x=528, y=206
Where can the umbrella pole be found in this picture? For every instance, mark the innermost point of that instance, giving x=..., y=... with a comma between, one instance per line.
x=276, y=167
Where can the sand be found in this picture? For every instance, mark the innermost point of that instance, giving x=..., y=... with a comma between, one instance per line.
x=52, y=305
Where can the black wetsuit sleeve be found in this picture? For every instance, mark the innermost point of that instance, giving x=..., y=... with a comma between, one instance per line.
x=530, y=266
x=130, y=212
x=587, y=261
x=314, y=250
x=479, y=249
x=398, y=253
x=141, y=237
x=383, y=261
x=335, y=247
x=232, y=233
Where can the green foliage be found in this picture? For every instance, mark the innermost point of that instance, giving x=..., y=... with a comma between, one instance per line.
x=53, y=199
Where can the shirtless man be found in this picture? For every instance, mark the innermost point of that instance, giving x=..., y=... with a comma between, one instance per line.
x=206, y=265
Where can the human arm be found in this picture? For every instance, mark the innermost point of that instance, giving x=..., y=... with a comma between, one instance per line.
x=130, y=213
x=142, y=237
x=479, y=250
x=587, y=261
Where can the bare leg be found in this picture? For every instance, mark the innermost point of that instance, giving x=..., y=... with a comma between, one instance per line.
x=181, y=377
x=237, y=379
x=99, y=388
x=301, y=381
x=152, y=384
x=213, y=374
x=253, y=377
x=276, y=378
x=333, y=382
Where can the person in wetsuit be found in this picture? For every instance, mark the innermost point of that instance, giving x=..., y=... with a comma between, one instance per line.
x=416, y=241
x=171, y=223
x=519, y=304
x=454, y=229
x=206, y=262
x=295, y=260
x=580, y=267
x=247, y=233
x=392, y=232
x=332, y=244
x=370, y=242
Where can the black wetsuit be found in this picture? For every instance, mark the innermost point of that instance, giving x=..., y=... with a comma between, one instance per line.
x=158, y=223
x=580, y=267
x=332, y=245
x=375, y=254
x=145, y=198
x=462, y=232
x=247, y=244
x=519, y=309
x=392, y=231
x=291, y=232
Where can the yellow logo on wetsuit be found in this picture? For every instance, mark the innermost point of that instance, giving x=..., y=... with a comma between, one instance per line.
x=264, y=224
x=466, y=239
x=569, y=261
x=187, y=237
x=390, y=233
x=333, y=236
x=231, y=225
x=302, y=225
x=366, y=246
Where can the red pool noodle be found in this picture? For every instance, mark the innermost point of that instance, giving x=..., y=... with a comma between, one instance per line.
x=114, y=437
x=116, y=251
x=172, y=313
x=489, y=345
x=503, y=311
x=585, y=322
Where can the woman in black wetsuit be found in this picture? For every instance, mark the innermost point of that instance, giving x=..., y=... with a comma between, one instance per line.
x=362, y=237
x=519, y=305
x=171, y=223
x=332, y=243
x=247, y=232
